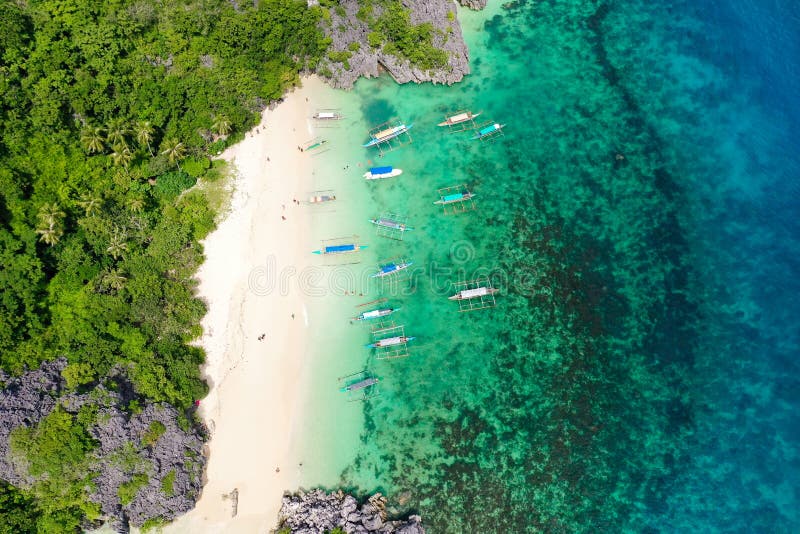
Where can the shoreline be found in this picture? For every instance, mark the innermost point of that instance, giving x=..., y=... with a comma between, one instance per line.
x=257, y=385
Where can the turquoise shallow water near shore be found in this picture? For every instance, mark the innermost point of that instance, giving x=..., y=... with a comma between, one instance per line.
x=639, y=372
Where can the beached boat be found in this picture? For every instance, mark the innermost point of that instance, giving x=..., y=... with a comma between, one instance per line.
x=314, y=144
x=455, y=197
x=387, y=134
x=327, y=116
x=391, y=268
x=375, y=314
x=387, y=222
x=378, y=173
x=317, y=199
x=466, y=294
x=391, y=342
x=488, y=131
x=458, y=118
x=340, y=249
x=361, y=384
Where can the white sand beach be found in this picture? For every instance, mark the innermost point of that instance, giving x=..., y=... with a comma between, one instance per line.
x=253, y=409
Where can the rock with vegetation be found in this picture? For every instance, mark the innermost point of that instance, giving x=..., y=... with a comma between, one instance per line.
x=414, y=41
x=97, y=454
x=473, y=4
x=318, y=512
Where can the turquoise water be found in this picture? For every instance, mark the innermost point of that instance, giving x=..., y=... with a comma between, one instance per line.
x=639, y=372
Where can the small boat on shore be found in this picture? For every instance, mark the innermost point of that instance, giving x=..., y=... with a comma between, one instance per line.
x=387, y=134
x=340, y=249
x=318, y=199
x=489, y=131
x=378, y=173
x=455, y=197
x=458, y=118
x=327, y=116
x=466, y=294
x=391, y=342
x=387, y=222
x=375, y=314
x=311, y=145
x=391, y=268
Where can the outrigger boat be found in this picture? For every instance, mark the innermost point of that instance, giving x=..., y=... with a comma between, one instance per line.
x=360, y=385
x=375, y=314
x=390, y=223
x=387, y=134
x=488, y=131
x=391, y=268
x=466, y=294
x=455, y=197
x=327, y=116
x=458, y=118
x=340, y=249
x=377, y=173
x=314, y=144
x=317, y=199
x=391, y=342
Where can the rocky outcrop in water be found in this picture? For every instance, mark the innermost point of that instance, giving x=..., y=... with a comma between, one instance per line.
x=148, y=443
x=317, y=512
x=473, y=4
x=345, y=29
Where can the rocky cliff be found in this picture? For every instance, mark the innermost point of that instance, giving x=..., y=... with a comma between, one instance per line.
x=347, y=27
x=149, y=443
x=317, y=512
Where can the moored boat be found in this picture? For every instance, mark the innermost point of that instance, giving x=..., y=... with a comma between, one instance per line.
x=340, y=249
x=361, y=384
x=317, y=199
x=378, y=173
x=327, y=116
x=455, y=197
x=488, y=131
x=391, y=341
x=375, y=314
x=458, y=118
x=387, y=134
x=390, y=223
x=466, y=294
x=391, y=268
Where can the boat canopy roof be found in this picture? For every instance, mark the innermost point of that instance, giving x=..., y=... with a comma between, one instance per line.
x=326, y=115
x=489, y=129
x=460, y=117
x=381, y=170
x=454, y=196
x=389, y=268
x=471, y=293
x=340, y=248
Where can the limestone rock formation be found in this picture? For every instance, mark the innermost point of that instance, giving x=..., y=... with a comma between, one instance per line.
x=171, y=458
x=316, y=512
x=473, y=4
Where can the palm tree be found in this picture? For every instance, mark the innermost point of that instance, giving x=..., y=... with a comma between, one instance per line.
x=117, y=130
x=49, y=228
x=117, y=245
x=92, y=139
x=221, y=125
x=90, y=204
x=144, y=134
x=175, y=151
x=122, y=155
x=114, y=279
x=136, y=205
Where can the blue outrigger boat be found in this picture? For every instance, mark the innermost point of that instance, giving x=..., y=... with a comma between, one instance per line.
x=340, y=249
x=377, y=173
x=391, y=268
x=455, y=197
x=387, y=134
x=488, y=131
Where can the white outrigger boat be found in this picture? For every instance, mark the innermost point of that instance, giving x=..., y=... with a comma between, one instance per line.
x=391, y=342
x=391, y=268
x=327, y=116
x=386, y=222
x=458, y=118
x=375, y=314
x=379, y=173
x=318, y=199
x=466, y=294
x=387, y=134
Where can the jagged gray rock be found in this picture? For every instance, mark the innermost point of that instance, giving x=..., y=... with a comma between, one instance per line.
x=120, y=451
x=347, y=29
x=316, y=512
x=477, y=5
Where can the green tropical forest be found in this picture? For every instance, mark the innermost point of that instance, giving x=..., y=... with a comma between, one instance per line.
x=110, y=113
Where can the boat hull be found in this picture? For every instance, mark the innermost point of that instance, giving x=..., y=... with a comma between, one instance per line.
x=394, y=172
